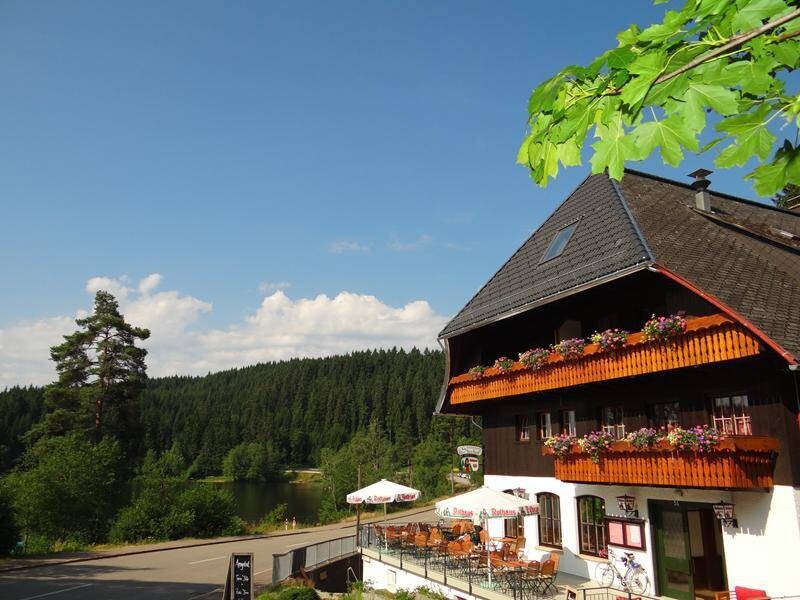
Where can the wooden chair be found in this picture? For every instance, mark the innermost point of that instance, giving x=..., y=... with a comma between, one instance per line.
x=546, y=578
x=456, y=529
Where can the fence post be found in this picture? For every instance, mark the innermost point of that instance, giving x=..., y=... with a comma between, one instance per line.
x=427, y=552
x=401, y=555
x=469, y=575
x=445, y=567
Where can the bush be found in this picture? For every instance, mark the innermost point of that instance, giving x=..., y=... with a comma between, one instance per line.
x=164, y=511
x=9, y=531
x=297, y=592
x=67, y=488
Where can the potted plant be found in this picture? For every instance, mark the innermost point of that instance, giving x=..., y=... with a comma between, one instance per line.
x=700, y=438
x=571, y=348
x=477, y=371
x=644, y=438
x=534, y=358
x=610, y=339
x=503, y=364
x=658, y=329
x=560, y=445
x=595, y=443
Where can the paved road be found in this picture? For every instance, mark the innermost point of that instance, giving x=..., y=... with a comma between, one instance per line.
x=186, y=573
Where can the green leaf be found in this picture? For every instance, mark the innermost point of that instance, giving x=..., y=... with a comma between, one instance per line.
x=544, y=95
x=671, y=135
x=752, y=137
x=773, y=176
x=569, y=153
x=754, y=78
x=629, y=36
x=673, y=21
x=612, y=149
x=699, y=96
x=753, y=13
x=787, y=53
x=522, y=154
x=620, y=58
x=648, y=67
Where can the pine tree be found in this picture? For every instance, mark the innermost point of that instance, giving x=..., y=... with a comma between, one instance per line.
x=101, y=372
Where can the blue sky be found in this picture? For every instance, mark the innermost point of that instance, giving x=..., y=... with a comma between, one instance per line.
x=236, y=148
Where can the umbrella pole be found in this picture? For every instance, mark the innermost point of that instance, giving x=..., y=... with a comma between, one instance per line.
x=385, y=528
x=488, y=551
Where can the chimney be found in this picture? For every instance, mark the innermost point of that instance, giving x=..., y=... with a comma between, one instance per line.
x=702, y=200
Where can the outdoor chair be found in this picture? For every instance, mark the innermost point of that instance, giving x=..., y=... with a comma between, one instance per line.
x=456, y=529
x=420, y=544
x=547, y=575
x=529, y=578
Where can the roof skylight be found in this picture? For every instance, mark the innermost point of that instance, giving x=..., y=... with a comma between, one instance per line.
x=559, y=242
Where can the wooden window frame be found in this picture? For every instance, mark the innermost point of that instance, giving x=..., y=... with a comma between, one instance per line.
x=523, y=429
x=617, y=429
x=626, y=522
x=565, y=421
x=655, y=418
x=544, y=431
x=595, y=529
x=734, y=424
x=554, y=518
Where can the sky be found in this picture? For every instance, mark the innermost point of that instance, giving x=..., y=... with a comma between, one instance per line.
x=261, y=180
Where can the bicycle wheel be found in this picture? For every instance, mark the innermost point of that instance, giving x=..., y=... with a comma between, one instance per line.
x=604, y=574
x=637, y=580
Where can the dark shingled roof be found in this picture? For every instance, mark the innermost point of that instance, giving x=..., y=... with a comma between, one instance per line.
x=604, y=243
x=736, y=254
x=742, y=254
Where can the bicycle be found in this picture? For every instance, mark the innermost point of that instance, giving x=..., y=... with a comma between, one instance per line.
x=634, y=580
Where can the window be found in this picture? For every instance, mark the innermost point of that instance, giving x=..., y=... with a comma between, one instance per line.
x=545, y=426
x=559, y=242
x=613, y=422
x=591, y=525
x=732, y=415
x=515, y=527
x=666, y=414
x=523, y=429
x=549, y=520
x=568, y=422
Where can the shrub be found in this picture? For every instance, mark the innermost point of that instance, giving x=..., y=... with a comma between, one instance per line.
x=66, y=488
x=9, y=531
x=211, y=512
x=402, y=594
x=297, y=592
x=535, y=358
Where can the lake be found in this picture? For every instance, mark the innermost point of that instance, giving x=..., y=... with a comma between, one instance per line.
x=255, y=499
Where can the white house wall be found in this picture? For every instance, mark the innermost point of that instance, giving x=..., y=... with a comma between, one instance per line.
x=761, y=553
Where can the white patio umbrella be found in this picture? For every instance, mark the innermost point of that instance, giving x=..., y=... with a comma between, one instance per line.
x=382, y=492
x=483, y=504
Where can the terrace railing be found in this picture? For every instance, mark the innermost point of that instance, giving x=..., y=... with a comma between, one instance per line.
x=313, y=555
x=710, y=339
x=738, y=463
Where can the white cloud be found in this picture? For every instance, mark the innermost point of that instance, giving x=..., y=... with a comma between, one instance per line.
x=280, y=328
x=412, y=246
x=267, y=287
x=342, y=246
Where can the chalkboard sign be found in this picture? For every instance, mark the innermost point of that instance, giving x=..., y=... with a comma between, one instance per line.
x=570, y=593
x=239, y=584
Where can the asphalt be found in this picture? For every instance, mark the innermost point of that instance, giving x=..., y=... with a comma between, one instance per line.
x=185, y=572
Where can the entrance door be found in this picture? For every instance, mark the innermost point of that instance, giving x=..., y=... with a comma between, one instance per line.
x=673, y=556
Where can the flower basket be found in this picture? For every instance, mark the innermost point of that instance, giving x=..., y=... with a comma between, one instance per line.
x=571, y=348
x=503, y=364
x=477, y=371
x=534, y=358
x=610, y=339
x=659, y=329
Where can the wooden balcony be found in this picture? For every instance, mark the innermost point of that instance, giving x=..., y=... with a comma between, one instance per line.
x=739, y=463
x=711, y=339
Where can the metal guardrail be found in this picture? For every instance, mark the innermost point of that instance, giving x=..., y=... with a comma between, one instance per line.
x=289, y=563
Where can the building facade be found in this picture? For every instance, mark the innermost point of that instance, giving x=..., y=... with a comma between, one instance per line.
x=610, y=257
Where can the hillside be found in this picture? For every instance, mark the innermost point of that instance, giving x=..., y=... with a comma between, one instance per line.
x=296, y=407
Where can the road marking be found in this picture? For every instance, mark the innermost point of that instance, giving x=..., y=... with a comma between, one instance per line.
x=260, y=572
x=77, y=587
x=214, y=591
x=197, y=562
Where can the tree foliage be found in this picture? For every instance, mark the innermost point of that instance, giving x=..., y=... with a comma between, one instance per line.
x=101, y=372
x=67, y=488
x=655, y=90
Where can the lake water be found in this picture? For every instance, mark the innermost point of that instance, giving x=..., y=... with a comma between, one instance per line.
x=255, y=499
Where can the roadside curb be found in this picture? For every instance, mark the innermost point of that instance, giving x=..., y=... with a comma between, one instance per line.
x=199, y=543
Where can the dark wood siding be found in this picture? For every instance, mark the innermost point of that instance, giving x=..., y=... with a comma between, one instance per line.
x=767, y=383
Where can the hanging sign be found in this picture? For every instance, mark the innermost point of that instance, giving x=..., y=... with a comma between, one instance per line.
x=470, y=458
x=239, y=584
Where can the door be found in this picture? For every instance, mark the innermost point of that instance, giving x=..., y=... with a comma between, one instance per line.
x=672, y=553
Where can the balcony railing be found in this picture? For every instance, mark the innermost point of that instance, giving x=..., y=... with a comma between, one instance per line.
x=711, y=339
x=738, y=463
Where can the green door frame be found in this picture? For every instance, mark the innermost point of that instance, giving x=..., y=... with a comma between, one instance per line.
x=660, y=560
